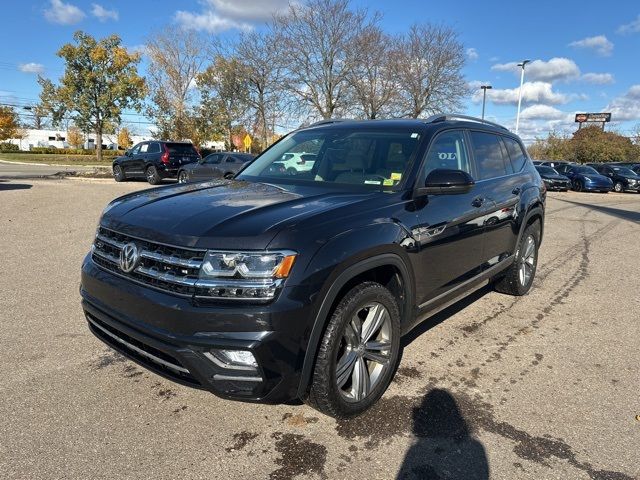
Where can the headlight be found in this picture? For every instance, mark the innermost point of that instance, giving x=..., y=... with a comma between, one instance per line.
x=244, y=275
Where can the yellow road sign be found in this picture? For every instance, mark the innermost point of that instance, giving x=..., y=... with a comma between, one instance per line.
x=247, y=141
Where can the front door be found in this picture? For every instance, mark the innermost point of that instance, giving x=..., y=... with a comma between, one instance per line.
x=450, y=227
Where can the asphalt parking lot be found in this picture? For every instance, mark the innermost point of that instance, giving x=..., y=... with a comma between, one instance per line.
x=543, y=386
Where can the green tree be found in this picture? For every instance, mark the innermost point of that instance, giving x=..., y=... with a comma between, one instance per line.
x=9, y=125
x=592, y=144
x=224, y=90
x=100, y=80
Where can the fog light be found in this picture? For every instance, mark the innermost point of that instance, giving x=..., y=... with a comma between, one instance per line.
x=233, y=359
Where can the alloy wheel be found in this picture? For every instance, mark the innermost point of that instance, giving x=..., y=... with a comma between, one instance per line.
x=182, y=178
x=527, y=261
x=364, y=353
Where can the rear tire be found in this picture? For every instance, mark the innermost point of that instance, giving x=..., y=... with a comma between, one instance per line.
x=118, y=173
x=358, y=354
x=153, y=177
x=182, y=177
x=518, y=278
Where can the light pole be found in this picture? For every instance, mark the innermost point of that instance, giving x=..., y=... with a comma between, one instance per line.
x=484, y=96
x=521, y=64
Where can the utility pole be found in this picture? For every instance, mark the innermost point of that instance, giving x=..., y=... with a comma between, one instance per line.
x=522, y=65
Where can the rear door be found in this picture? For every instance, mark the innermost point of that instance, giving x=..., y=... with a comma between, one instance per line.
x=501, y=186
x=450, y=227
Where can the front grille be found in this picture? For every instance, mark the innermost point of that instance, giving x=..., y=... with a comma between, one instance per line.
x=171, y=269
x=147, y=355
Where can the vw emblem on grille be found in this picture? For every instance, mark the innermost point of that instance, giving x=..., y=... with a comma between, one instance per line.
x=129, y=257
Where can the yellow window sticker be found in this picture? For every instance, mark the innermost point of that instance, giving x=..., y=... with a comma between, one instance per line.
x=396, y=176
x=388, y=182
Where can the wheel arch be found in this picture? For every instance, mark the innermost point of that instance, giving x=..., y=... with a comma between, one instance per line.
x=388, y=269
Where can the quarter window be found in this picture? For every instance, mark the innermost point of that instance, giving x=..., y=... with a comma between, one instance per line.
x=490, y=155
x=518, y=157
x=448, y=152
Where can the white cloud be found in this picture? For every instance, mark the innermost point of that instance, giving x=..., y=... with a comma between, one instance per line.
x=631, y=27
x=557, y=68
x=627, y=106
x=63, y=13
x=31, y=67
x=103, y=14
x=532, y=92
x=220, y=15
x=599, y=44
x=542, y=112
x=598, y=78
x=472, y=54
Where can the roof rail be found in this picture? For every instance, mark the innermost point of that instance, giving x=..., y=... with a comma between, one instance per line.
x=441, y=117
x=328, y=121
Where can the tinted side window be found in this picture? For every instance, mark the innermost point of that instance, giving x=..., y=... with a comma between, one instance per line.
x=136, y=149
x=489, y=155
x=213, y=158
x=154, y=148
x=447, y=151
x=518, y=157
x=144, y=148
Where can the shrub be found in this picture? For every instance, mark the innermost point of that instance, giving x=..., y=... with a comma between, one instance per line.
x=72, y=151
x=9, y=147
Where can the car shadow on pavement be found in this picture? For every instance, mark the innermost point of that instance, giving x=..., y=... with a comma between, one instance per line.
x=444, y=446
x=13, y=186
x=615, y=212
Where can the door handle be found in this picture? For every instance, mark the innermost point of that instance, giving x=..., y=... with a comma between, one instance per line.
x=516, y=191
x=477, y=202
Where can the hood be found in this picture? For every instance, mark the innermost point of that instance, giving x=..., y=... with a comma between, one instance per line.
x=555, y=177
x=597, y=178
x=220, y=214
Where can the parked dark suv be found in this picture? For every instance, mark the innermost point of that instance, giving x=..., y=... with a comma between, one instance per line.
x=154, y=161
x=273, y=286
x=624, y=179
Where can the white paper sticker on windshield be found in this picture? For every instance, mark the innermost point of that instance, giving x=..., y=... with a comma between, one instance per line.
x=414, y=135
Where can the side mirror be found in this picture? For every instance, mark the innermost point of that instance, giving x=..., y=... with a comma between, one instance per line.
x=446, y=182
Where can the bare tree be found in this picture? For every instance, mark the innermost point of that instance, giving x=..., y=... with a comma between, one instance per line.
x=176, y=57
x=224, y=92
x=428, y=63
x=263, y=69
x=314, y=40
x=371, y=75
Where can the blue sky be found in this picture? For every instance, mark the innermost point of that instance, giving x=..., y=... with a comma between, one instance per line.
x=586, y=52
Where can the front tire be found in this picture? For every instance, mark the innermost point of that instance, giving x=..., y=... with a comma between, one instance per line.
x=618, y=187
x=519, y=277
x=577, y=185
x=118, y=173
x=358, y=353
x=153, y=177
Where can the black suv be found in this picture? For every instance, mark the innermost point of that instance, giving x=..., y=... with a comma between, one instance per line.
x=154, y=161
x=624, y=179
x=273, y=286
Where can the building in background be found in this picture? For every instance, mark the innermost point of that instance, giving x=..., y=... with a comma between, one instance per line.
x=58, y=139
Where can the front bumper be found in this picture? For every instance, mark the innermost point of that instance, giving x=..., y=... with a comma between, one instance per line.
x=598, y=187
x=557, y=185
x=173, y=336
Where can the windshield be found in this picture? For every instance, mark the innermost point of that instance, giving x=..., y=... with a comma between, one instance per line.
x=347, y=156
x=547, y=170
x=585, y=170
x=623, y=171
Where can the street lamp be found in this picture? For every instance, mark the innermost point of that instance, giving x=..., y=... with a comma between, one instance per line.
x=521, y=64
x=484, y=96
